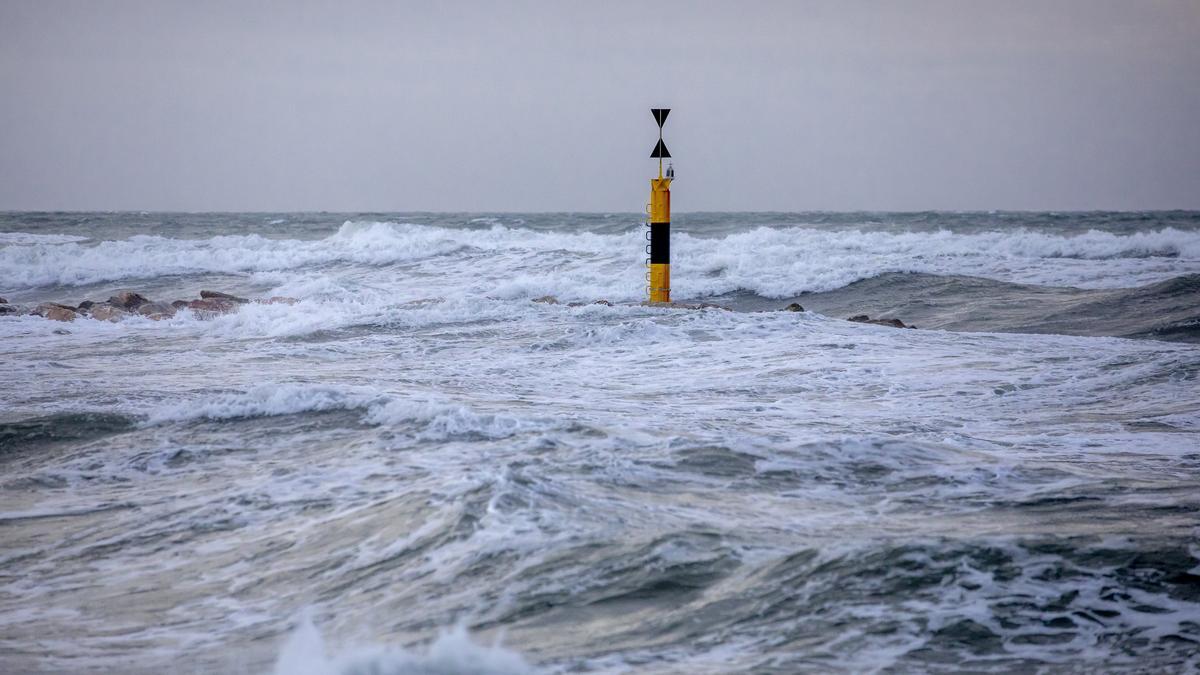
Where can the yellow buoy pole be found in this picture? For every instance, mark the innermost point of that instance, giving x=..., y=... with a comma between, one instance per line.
x=660, y=219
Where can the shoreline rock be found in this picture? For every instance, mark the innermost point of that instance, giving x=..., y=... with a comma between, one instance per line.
x=156, y=310
x=55, y=311
x=210, y=307
x=103, y=311
x=128, y=302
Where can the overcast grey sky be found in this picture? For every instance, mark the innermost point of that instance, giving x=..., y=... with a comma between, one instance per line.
x=952, y=104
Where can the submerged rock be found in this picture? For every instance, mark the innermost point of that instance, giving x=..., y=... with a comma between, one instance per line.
x=156, y=310
x=210, y=307
x=894, y=323
x=278, y=300
x=217, y=295
x=9, y=309
x=3, y=301
x=547, y=300
x=128, y=300
x=684, y=305
x=794, y=307
x=103, y=311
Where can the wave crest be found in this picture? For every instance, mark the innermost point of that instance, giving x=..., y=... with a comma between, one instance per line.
x=508, y=262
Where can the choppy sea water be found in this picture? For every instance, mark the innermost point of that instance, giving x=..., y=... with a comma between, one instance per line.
x=416, y=469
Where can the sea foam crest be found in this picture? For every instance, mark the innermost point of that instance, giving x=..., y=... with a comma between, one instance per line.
x=781, y=263
x=433, y=419
x=451, y=653
x=28, y=238
x=262, y=401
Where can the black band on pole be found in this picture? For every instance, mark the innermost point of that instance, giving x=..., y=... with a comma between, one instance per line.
x=660, y=243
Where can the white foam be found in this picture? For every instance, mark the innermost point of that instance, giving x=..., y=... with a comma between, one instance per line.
x=441, y=420
x=786, y=262
x=144, y=256
x=451, y=653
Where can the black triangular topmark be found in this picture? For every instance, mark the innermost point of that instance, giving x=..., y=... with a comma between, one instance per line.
x=660, y=150
x=660, y=115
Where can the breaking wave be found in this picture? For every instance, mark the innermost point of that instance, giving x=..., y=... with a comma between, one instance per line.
x=773, y=262
x=786, y=262
x=147, y=256
x=262, y=401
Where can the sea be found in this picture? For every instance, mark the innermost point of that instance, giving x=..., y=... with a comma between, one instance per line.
x=441, y=453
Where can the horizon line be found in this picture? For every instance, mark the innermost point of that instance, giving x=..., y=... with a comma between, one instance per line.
x=597, y=213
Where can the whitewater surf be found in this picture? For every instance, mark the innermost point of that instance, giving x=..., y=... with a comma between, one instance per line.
x=415, y=468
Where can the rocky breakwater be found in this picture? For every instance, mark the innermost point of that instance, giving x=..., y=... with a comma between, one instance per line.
x=131, y=303
x=551, y=300
x=791, y=307
x=857, y=318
